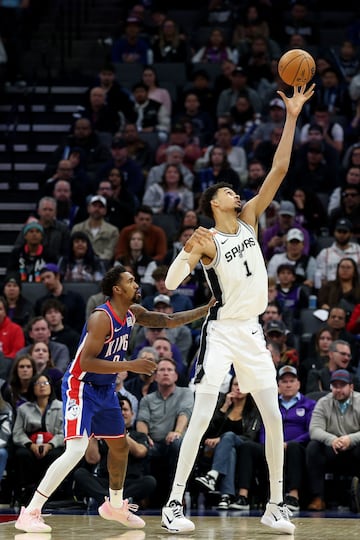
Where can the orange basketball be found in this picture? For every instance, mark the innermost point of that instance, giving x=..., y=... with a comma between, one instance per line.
x=296, y=67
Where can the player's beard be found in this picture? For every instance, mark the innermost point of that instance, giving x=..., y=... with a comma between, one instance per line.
x=137, y=297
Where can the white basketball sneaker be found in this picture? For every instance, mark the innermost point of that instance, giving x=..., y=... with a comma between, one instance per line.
x=173, y=519
x=277, y=516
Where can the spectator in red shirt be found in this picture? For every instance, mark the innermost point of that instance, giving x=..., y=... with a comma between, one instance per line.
x=12, y=337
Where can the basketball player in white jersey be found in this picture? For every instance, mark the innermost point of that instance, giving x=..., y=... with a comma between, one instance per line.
x=231, y=335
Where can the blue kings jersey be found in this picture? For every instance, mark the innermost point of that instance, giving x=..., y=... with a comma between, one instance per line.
x=237, y=275
x=114, y=349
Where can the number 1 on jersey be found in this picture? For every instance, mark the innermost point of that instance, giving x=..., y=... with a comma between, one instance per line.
x=248, y=273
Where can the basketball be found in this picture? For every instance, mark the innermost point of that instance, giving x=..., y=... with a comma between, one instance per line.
x=296, y=67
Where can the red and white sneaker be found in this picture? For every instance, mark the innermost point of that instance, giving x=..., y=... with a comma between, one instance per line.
x=123, y=515
x=31, y=522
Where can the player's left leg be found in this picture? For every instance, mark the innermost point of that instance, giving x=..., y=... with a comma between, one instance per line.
x=277, y=515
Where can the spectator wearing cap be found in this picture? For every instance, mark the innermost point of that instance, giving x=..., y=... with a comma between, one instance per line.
x=133, y=177
x=304, y=265
x=152, y=116
x=12, y=337
x=274, y=238
x=291, y=297
x=238, y=84
x=73, y=302
x=179, y=301
x=313, y=132
x=314, y=172
x=155, y=242
x=339, y=358
x=274, y=119
x=275, y=330
x=352, y=177
x=349, y=209
x=102, y=235
x=31, y=256
x=328, y=258
x=20, y=309
x=130, y=48
x=335, y=437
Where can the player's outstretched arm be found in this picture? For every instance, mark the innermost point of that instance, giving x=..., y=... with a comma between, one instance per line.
x=155, y=319
x=256, y=206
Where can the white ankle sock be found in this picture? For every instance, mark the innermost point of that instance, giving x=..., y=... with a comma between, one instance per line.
x=116, y=497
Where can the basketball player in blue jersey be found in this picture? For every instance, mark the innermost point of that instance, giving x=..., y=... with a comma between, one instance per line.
x=235, y=271
x=90, y=405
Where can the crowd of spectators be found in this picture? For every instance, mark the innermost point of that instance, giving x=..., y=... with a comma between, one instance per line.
x=124, y=187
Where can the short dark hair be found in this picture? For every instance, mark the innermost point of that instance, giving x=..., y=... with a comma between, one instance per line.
x=140, y=84
x=111, y=278
x=144, y=209
x=122, y=398
x=52, y=303
x=208, y=196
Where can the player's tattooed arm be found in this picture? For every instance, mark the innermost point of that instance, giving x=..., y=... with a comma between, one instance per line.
x=154, y=319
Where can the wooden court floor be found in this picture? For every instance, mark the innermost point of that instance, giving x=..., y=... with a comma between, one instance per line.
x=92, y=527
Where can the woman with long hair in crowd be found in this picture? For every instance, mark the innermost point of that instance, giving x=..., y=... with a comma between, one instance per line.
x=81, y=264
x=141, y=264
x=41, y=355
x=170, y=196
x=344, y=291
x=16, y=392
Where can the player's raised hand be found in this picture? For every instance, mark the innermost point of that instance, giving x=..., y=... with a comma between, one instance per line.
x=201, y=237
x=295, y=103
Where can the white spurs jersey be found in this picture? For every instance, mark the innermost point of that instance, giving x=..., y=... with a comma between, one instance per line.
x=237, y=276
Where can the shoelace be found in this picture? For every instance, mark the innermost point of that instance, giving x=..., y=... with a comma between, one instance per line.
x=36, y=514
x=285, y=512
x=177, y=509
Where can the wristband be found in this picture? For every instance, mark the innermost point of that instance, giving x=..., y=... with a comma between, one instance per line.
x=178, y=271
